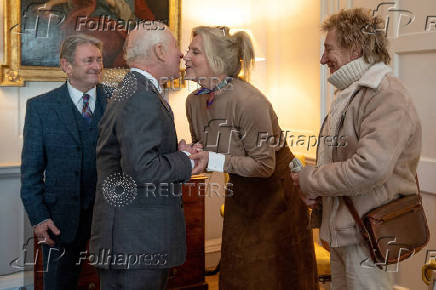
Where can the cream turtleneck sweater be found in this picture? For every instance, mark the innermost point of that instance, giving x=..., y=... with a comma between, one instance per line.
x=345, y=80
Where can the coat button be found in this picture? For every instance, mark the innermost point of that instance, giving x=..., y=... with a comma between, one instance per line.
x=78, y=148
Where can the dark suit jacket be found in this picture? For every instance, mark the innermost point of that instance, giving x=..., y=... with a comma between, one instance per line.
x=51, y=161
x=137, y=137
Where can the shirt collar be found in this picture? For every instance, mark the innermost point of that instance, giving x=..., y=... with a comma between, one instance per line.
x=148, y=76
x=77, y=95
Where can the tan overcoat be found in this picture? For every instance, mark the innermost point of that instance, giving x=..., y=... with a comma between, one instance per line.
x=266, y=243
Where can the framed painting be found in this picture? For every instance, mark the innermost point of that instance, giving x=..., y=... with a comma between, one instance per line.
x=33, y=31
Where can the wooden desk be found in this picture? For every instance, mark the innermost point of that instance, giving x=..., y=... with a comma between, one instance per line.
x=189, y=276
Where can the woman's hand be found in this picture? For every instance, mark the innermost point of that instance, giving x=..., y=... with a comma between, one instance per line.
x=191, y=148
x=201, y=160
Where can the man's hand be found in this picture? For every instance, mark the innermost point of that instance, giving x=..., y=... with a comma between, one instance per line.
x=197, y=147
x=42, y=234
x=191, y=148
x=295, y=178
x=201, y=160
x=310, y=202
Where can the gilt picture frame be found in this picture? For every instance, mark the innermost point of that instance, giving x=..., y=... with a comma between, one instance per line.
x=34, y=29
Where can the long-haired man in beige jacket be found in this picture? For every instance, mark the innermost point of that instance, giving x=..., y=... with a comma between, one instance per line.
x=369, y=145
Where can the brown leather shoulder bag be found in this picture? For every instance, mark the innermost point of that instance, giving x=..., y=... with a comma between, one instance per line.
x=394, y=231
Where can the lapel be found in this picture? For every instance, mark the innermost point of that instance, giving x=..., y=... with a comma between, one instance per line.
x=149, y=84
x=101, y=100
x=65, y=111
x=164, y=103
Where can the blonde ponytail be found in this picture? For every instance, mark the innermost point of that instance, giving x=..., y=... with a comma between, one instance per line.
x=227, y=54
x=246, y=52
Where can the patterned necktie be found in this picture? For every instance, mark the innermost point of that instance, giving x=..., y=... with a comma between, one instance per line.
x=86, y=111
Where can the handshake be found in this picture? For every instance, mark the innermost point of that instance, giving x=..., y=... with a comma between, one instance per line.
x=200, y=157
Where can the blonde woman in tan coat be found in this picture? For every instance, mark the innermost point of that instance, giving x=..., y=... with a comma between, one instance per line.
x=265, y=242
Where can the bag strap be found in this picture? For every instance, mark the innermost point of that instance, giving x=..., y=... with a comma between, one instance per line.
x=362, y=229
x=359, y=222
x=417, y=184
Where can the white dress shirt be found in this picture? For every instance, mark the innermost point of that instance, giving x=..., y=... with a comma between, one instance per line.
x=216, y=162
x=148, y=76
x=77, y=97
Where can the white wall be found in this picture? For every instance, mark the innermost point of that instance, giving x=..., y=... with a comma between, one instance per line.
x=292, y=72
x=14, y=223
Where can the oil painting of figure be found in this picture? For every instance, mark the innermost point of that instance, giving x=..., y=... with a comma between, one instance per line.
x=44, y=24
